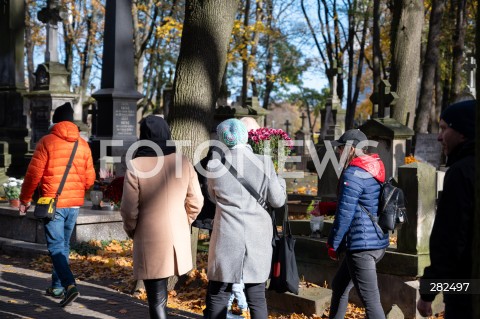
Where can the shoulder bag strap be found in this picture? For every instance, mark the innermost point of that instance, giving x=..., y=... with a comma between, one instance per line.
x=245, y=184
x=373, y=219
x=70, y=161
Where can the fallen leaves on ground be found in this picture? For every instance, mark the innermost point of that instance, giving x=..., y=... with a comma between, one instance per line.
x=113, y=261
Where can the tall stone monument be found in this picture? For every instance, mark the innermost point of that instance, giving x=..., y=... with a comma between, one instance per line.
x=330, y=129
x=13, y=129
x=117, y=98
x=328, y=179
x=51, y=87
x=391, y=135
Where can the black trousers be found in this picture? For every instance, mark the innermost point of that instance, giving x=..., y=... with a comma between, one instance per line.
x=157, y=297
x=358, y=269
x=219, y=292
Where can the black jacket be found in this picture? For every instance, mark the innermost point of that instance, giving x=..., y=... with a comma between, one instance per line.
x=452, y=232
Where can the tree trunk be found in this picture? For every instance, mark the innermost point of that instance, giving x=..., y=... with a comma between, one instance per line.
x=377, y=53
x=350, y=114
x=194, y=99
x=407, y=24
x=437, y=106
x=29, y=47
x=68, y=43
x=426, y=103
x=246, y=40
x=270, y=53
x=458, y=47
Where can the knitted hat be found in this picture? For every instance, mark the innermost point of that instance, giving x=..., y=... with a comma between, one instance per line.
x=63, y=113
x=232, y=132
x=461, y=117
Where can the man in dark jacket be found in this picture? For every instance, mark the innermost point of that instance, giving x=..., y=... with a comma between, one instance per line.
x=452, y=233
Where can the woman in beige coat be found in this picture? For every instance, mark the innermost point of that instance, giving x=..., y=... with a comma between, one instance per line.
x=160, y=201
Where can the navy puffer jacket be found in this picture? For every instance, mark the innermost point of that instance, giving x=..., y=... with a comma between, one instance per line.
x=359, y=184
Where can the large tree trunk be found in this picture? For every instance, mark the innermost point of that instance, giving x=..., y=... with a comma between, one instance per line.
x=458, y=47
x=200, y=66
x=407, y=24
x=426, y=103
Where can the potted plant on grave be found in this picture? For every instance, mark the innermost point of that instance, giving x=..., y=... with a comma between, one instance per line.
x=269, y=141
x=317, y=217
x=12, y=190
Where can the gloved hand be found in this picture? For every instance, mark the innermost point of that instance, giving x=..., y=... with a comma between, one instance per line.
x=332, y=253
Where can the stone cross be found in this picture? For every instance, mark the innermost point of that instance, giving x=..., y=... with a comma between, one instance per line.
x=384, y=99
x=303, y=117
x=51, y=15
x=471, y=67
x=333, y=73
x=287, y=125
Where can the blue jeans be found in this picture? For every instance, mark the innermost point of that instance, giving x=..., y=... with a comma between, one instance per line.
x=238, y=293
x=358, y=269
x=58, y=232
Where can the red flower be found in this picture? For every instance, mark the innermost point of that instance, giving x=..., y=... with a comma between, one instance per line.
x=324, y=208
x=114, y=190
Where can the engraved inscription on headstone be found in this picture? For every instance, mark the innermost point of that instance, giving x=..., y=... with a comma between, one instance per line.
x=428, y=149
x=40, y=122
x=124, y=120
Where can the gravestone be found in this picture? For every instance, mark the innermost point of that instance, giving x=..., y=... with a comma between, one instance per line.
x=117, y=98
x=428, y=149
x=251, y=108
x=51, y=87
x=418, y=181
x=392, y=141
x=13, y=123
x=330, y=130
x=471, y=68
x=391, y=135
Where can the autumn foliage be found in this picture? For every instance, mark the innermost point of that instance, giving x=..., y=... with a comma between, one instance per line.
x=111, y=263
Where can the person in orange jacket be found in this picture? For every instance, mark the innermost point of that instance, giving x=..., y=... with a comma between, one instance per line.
x=46, y=170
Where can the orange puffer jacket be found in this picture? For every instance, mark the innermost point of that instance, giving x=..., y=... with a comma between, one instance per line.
x=49, y=162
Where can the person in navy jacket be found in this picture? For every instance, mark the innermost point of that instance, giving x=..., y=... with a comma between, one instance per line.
x=353, y=231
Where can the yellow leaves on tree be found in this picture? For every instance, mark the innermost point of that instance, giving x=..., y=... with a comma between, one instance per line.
x=169, y=29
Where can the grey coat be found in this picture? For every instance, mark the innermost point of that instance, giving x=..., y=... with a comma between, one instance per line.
x=241, y=243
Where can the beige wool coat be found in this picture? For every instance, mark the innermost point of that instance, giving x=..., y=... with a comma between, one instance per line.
x=157, y=212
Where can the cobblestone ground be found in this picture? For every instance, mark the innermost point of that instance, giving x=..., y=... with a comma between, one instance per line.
x=22, y=295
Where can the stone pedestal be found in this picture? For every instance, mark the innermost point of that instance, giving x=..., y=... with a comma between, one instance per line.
x=12, y=86
x=418, y=181
x=41, y=105
x=392, y=141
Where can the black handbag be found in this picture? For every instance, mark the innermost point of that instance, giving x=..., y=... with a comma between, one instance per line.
x=284, y=273
x=45, y=207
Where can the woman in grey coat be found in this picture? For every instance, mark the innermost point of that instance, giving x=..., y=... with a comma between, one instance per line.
x=241, y=243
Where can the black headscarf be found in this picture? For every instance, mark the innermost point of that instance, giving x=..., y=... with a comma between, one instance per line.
x=155, y=129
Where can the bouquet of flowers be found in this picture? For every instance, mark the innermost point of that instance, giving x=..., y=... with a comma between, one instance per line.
x=324, y=208
x=113, y=192
x=269, y=141
x=12, y=188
